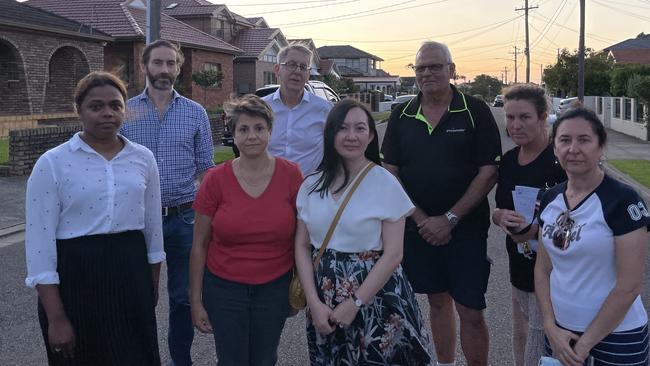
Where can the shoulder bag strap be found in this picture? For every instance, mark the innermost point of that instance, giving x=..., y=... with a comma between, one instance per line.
x=335, y=221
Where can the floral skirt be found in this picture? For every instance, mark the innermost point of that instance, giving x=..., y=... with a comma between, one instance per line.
x=387, y=331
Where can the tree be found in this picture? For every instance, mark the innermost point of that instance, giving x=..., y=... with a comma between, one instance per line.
x=486, y=86
x=206, y=79
x=341, y=86
x=621, y=74
x=562, y=78
x=638, y=86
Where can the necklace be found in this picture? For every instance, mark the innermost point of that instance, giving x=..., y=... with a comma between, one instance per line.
x=258, y=179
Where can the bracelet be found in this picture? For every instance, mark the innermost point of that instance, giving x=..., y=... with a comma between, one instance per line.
x=524, y=230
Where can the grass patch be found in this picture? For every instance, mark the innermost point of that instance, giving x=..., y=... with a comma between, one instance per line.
x=380, y=116
x=4, y=151
x=222, y=155
x=639, y=170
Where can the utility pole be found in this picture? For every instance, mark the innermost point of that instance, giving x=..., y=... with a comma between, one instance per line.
x=581, y=55
x=541, y=74
x=527, y=49
x=505, y=72
x=515, y=53
x=153, y=20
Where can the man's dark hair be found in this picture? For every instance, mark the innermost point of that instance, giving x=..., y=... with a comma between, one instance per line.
x=146, y=54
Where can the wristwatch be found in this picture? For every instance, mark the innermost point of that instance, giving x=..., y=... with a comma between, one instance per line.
x=452, y=218
x=357, y=301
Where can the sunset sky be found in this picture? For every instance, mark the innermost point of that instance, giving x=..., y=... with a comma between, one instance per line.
x=480, y=33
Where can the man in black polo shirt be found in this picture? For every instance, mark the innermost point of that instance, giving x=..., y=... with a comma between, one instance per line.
x=444, y=147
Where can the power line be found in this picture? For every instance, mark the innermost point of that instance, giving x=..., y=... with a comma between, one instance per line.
x=360, y=14
x=526, y=8
x=593, y=36
x=550, y=23
x=298, y=9
x=286, y=3
x=621, y=11
x=418, y=38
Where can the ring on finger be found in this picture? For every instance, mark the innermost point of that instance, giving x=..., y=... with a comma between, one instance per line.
x=57, y=350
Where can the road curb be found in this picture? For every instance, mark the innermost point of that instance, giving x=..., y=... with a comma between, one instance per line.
x=640, y=188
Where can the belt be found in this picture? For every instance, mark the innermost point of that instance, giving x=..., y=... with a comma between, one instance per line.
x=174, y=210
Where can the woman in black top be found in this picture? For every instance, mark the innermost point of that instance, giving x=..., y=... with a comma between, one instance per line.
x=530, y=164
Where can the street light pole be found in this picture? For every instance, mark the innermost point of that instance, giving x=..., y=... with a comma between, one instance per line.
x=153, y=20
x=581, y=55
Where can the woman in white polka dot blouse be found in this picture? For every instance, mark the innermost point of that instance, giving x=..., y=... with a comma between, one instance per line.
x=94, y=237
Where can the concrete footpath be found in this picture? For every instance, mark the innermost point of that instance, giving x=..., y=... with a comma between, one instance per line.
x=12, y=189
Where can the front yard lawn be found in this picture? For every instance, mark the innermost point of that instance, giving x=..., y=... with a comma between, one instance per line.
x=638, y=170
x=222, y=155
x=4, y=151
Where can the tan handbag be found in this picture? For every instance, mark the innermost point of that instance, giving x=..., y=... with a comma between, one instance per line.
x=297, y=298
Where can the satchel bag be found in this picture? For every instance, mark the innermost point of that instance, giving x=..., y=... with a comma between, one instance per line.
x=297, y=298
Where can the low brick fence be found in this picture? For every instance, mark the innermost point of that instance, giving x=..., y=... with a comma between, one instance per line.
x=26, y=146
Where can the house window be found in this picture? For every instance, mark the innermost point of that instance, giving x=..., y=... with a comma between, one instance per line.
x=11, y=68
x=270, y=58
x=270, y=78
x=627, y=109
x=211, y=66
x=617, y=107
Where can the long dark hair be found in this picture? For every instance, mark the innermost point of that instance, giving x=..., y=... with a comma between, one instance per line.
x=332, y=161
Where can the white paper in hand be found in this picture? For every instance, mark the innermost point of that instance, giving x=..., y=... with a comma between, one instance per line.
x=524, y=199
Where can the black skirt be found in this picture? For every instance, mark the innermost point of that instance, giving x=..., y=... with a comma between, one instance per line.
x=107, y=292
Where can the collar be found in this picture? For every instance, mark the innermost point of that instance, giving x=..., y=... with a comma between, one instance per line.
x=458, y=104
x=77, y=143
x=144, y=96
x=305, y=97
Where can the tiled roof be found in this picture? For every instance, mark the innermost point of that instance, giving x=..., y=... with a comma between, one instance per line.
x=23, y=14
x=255, y=40
x=345, y=52
x=241, y=20
x=189, y=7
x=120, y=21
x=380, y=72
x=642, y=41
x=626, y=56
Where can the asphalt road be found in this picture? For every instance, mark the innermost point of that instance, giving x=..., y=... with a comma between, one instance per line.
x=22, y=344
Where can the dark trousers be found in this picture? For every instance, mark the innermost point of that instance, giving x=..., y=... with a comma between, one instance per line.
x=247, y=319
x=177, y=231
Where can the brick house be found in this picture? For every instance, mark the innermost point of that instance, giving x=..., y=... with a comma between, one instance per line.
x=253, y=68
x=362, y=67
x=631, y=51
x=125, y=22
x=42, y=57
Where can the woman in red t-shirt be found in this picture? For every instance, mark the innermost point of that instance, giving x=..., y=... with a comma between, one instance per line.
x=243, y=235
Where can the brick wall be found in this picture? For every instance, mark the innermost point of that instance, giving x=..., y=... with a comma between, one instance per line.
x=218, y=127
x=261, y=67
x=214, y=96
x=26, y=146
x=33, y=52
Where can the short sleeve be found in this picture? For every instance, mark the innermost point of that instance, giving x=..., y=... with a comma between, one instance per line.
x=209, y=196
x=303, y=195
x=394, y=200
x=488, y=140
x=42, y=209
x=628, y=214
x=389, y=147
x=295, y=181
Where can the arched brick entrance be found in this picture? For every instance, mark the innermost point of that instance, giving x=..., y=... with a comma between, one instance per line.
x=13, y=83
x=67, y=66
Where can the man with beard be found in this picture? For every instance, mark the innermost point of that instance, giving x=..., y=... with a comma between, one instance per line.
x=300, y=116
x=177, y=131
x=444, y=147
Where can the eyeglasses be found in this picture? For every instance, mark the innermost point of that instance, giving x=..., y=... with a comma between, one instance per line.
x=433, y=68
x=292, y=66
x=562, y=237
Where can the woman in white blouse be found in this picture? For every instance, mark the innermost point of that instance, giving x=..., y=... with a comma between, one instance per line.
x=361, y=308
x=94, y=237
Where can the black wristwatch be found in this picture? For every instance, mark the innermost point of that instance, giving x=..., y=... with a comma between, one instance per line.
x=452, y=218
x=357, y=301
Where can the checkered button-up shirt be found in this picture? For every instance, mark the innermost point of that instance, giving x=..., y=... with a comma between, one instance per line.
x=181, y=141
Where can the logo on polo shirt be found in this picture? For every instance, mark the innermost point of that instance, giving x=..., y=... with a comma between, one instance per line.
x=455, y=130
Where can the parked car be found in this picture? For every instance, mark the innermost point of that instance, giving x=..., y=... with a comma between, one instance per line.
x=401, y=99
x=388, y=98
x=314, y=86
x=565, y=104
x=498, y=101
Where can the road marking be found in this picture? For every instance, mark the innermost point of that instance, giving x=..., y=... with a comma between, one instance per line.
x=12, y=239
